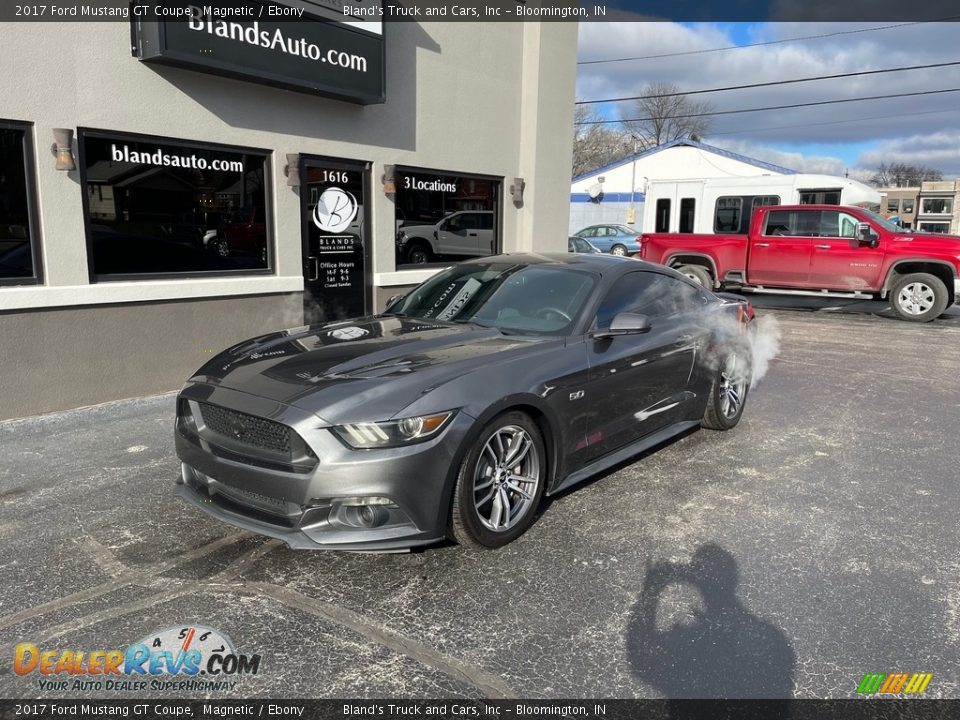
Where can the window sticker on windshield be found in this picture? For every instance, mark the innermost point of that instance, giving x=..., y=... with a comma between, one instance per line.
x=469, y=289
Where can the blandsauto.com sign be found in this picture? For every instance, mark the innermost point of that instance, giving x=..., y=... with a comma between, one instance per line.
x=308, y=54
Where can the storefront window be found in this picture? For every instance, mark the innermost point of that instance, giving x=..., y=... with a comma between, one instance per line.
x=938, y=206
x=161, y=207
x=18, y=244
x=445, y=217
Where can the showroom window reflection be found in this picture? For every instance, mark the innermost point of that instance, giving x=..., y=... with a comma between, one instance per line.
x=167, y=207
x=18, y=244
x=445, y=217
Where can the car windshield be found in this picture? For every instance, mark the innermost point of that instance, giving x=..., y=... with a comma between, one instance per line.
x=535, y=299
x=883, y=222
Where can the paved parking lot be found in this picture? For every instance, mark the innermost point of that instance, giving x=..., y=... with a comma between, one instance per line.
x=814, y=543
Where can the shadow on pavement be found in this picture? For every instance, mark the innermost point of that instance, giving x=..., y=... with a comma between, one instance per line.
x=689, y=636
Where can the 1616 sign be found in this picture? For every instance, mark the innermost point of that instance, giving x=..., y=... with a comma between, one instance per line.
x=262, y=44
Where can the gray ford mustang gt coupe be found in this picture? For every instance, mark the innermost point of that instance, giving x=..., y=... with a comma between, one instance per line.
x=451, y=414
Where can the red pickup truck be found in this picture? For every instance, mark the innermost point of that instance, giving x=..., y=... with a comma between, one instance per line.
x=821, y=250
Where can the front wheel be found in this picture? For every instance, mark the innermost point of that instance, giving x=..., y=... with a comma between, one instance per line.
x=419, y=254
x=728, y=394
x=918, y=297
x=500, y=483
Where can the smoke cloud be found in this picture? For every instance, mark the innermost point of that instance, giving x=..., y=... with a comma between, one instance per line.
x=764, y=345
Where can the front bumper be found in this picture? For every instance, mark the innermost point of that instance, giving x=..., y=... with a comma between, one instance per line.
x=309, y=507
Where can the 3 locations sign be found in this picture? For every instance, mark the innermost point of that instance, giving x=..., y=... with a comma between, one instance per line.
x=303, y=45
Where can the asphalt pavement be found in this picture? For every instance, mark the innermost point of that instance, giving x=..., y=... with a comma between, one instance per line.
x=814, y=543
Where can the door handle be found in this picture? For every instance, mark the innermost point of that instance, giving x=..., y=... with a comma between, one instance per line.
x=822, y=247
x=473, y=234
x=313, y=269
x=761, y=244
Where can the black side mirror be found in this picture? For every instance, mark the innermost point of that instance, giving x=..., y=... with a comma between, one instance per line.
x=626, y=323
x=866, y=235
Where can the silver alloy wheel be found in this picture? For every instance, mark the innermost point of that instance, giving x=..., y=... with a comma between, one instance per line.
x=506, y=478
x=694, y=277
x=733, y=386
x=916, y=298
x=618, y=250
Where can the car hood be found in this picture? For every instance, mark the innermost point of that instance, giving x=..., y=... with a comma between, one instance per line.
x=364, y=369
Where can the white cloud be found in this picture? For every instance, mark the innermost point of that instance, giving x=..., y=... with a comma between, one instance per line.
x=794, y=160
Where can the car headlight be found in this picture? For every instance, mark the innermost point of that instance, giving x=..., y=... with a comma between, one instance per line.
x=392, y=433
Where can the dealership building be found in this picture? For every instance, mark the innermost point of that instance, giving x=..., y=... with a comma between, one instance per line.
x=170, y=187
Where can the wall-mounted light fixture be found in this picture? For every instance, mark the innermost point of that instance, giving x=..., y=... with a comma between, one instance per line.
x=389, y=179
x=516, y=191
x=292, y=170
x=62, y=148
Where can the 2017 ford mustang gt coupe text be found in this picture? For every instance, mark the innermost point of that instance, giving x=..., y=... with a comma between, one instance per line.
x=451, y=414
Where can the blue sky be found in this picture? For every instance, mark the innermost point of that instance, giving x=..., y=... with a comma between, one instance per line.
x=836, y=138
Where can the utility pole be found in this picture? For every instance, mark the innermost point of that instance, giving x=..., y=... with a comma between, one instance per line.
x=632, y=215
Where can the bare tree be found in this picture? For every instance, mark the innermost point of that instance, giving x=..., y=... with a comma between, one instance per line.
x=899, y=174
x=595, y=145
x=665, y=115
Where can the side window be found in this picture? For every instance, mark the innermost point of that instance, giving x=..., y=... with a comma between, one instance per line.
x=687, y=212
x=794, y=223
x=848, y=226
x=486, y=221
x=763, y=201
x=454, y=223
x=648, y=293
x=662, y=221
x=829, y=224
x=588, y=233
x=727, y=216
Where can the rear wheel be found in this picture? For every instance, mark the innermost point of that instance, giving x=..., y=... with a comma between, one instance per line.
x=620, y=250
x=697, y=273
x=728, y=394
x=500, y=483
x=918, y=297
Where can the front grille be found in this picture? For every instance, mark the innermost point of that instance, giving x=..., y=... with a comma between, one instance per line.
x=247, y=429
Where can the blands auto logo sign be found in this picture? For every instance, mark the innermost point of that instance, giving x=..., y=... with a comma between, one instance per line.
x=277, y=42
x=169, y=659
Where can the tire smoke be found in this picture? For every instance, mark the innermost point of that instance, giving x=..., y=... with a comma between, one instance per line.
x=764, y=346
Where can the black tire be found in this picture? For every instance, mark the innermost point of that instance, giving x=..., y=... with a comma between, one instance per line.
x=418, y=253
x=718, y=414
x=619, y=250
x=469, y=519
x=219, y=246
x=918, y=297
x=698, y=274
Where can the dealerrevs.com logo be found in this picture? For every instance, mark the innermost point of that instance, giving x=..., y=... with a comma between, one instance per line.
x=894, y=683
x=191, y=658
